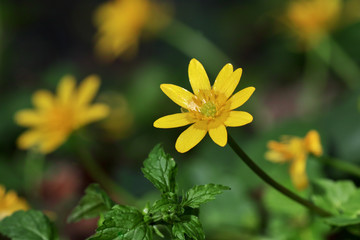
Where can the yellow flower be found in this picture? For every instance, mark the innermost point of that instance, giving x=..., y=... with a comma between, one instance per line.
x=310, y=20
x=121, y=22
x=56, y=117
x=209, y=109
x=10, y=203
x=295, y=150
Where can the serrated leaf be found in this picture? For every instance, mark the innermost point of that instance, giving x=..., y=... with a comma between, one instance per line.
x=332, y=195
x=160, y=168
x=341, y=198
x=165, y=210
x=123, y=223
x=336, y=192
x=190, y=227
x=201, y=194
x=29, y=225
x=92, y=204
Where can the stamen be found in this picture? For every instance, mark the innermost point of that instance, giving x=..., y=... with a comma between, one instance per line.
x=208, y=109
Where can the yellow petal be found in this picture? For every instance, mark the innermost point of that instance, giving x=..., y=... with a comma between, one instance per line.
x=298, y=172
x=28, y=118
x=88, y=89
x=225, y=83
x=2, y=191
x=223, y=77
x=94, y=113
x=52, y=141
x=241, y=97
x=65, y=90
x=174, y=120
x=43, y=99
x=313, y=143
x=219, y=135
x=190, y=138
x=29, y=139
x=198, y=77
x=275, y=156
x=179, y=95
x=238, y=118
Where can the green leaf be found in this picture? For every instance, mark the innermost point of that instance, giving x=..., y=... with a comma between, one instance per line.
x=342, y=221
x=29, y=225
x=190, y=227
x=123, y=223
x=166, y=211
x=342, y=198
x=201, y=194
x=160, y=168
x=92, y=204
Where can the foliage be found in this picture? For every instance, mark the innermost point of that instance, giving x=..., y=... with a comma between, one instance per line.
x=179, y=214
x=30, y=225
x=341, y=198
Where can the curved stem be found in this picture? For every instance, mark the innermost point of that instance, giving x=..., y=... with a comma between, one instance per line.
x=341, y=165
x=193, y=44
x=98, y=174
x=264, y=176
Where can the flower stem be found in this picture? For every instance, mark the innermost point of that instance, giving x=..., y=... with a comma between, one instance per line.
x=265, y=177
x=314, y=77
x=342, y=64
x=341, y=165
x=33, y=171
x=193, y=44
x=98, y=174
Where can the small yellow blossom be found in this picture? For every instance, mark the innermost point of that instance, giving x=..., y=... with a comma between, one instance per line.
x=310, y=20
x=209, y=109
x=295, y=150
x=121, y=22
x=10, y=203
x=56, y=117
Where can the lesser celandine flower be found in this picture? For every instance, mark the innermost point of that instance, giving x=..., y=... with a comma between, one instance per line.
x=55, y=117
x=10, y=203
x=120, y=24
x=208, y=109
x=295, y=150
x=310, y=20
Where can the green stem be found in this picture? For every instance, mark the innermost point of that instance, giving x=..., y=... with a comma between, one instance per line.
x=193, y=44
x=341, y=165
x=258, y=171
x=33, y=171
x=342, y=64
x=98, y=174
x=314, y=77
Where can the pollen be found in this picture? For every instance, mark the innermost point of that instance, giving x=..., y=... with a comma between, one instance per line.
x=208, y=109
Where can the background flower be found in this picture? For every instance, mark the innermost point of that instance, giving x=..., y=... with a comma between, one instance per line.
x=10, y=202
x=56, y=117
x=295, y=150
x=121, y=23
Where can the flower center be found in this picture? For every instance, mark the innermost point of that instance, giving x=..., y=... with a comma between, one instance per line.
x=61, y=119
x=208, y=109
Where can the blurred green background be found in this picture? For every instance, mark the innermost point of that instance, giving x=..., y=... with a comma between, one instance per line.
x=40, y=41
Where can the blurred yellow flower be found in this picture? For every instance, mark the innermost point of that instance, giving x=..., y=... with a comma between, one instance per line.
x=310, y=20
x=209, y=109
x=121, y=22
x=10, y=203
x=295, y=150
x=56, y=117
